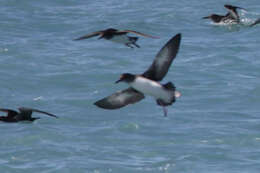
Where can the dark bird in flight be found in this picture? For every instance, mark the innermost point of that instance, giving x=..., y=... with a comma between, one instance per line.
x=231, y=17
x=25, y=114
x=148, y=82
x=117, y=36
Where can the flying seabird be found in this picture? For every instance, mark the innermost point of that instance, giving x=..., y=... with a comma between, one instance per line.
x=147, y=83
x=231, y=17
x=117, y=36
x=25, y=114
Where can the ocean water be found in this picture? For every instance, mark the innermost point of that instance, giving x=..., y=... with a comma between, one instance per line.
x=214, y=127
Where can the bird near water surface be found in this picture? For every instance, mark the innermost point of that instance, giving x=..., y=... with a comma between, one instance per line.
x=24, y=114
x=147, y=83
x=117, y=36
x=231, y=17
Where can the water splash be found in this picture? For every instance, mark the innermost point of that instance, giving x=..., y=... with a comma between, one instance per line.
x=248, y=18
x=38, y=98
x=3, y=50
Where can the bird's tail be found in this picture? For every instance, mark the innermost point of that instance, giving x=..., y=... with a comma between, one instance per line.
x=133, y=40
x=169, y=86
x=175, y=94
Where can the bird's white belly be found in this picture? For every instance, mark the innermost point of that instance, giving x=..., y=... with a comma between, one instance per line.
x=120, y=39
x=151, y=88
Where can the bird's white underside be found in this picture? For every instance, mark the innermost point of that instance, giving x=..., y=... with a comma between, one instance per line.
x=152, y=88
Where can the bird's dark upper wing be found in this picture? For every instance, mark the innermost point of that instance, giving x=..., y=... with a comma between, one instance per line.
x=120, y=99
x=163, y=59
x=10, y=113
x=233, y=14
x=233, y=10
x=138, y=33
x=93, y=34
x=29, y=110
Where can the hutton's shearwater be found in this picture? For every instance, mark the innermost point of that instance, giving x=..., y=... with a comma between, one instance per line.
x=25, y=114
x=117, y=36
x=147, y=83
x=231, y=17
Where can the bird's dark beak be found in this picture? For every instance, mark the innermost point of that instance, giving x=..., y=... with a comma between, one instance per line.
x=207, y=17
x=120, y=80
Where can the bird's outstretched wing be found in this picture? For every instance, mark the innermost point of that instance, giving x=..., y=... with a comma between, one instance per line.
x=163, y=59
x=137, y=33
x=233, y=10
x=120, y=99
x=10, y=113
x=93, y=34
x=30, y=110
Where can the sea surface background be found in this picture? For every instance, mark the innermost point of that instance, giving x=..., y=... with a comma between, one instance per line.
x=214, y=127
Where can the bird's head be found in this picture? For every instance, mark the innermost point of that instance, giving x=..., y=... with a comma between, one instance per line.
x=126, y=77
x=214, y=17
x=210, y=16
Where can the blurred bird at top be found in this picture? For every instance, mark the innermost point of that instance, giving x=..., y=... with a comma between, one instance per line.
x=117, y=36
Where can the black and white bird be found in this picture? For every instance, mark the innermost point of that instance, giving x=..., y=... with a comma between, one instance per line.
x=231, y=17
x=24, y=114
x=147, y=83
x=117, y=36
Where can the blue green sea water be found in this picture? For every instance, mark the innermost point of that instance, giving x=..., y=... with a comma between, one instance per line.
x=214, y=127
